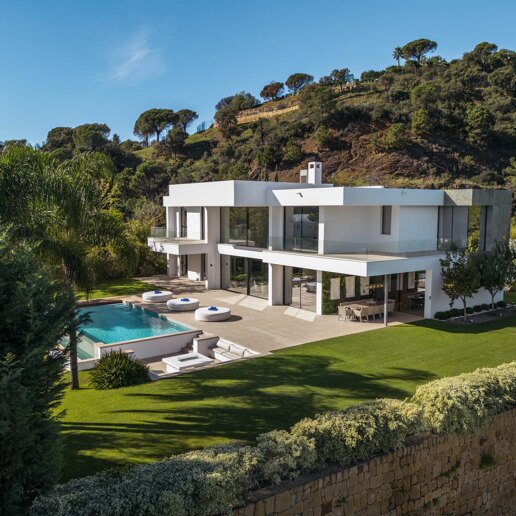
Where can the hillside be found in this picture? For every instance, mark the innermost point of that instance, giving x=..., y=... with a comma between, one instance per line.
x=427, y=123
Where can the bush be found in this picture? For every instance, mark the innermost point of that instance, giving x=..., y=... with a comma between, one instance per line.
x=118, y=369
x=283, y=455
x=485, y=306
x=501, y=304
x=396, y=137
x=456, y=312
x=469, y=310
x=202, y=482
x=477, y=308
x=443, y=316
x=359, y=432
x=466, y=402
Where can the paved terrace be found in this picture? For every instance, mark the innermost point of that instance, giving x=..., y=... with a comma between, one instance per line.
x=256, y=325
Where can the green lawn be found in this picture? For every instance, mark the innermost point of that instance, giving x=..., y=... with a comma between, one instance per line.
x=238, y=401
x=119, y=287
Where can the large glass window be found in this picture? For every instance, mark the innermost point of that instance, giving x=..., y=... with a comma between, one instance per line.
x=386, y=220
x=302, y=228
x=248, y=226
x=248, y=276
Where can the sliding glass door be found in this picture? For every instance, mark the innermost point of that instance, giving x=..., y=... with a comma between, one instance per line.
x=248, y=276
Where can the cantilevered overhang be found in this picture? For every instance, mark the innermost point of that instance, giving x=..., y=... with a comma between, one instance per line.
x=177, y=247
x=230, y=193
x=353, y=264
x=358, y=196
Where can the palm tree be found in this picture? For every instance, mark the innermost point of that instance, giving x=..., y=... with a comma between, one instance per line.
x=64, y=209
x=397, y=54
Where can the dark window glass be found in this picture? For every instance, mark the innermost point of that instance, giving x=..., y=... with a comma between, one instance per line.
x=249, y=226
x=386, y=220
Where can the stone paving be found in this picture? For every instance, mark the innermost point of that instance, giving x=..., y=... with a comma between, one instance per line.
x=256, y=325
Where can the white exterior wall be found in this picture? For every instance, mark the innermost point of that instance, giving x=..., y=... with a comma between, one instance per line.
x=194, y=267
x=212, y=233
x=418, y=228
x=193, y=223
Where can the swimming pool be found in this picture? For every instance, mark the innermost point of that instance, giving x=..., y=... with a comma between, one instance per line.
x=121, y=322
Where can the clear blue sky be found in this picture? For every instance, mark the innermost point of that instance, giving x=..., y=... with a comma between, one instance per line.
x=65, y=63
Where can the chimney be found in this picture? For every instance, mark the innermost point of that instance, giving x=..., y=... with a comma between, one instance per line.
x=314, y=173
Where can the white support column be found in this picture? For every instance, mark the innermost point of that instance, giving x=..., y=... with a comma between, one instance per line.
x=275, y=285
x=172, y=265
x=429, y=287
x=276, y=222
x=385, y=298
x=212, y=237
x=322, y=215
x=318, y=299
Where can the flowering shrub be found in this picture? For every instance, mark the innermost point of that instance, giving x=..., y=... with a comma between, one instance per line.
x=284, y=455
x=214, y=480
x=360, y=432
x=466, y=402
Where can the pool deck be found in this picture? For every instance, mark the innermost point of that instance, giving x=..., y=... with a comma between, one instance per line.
x=256, y=325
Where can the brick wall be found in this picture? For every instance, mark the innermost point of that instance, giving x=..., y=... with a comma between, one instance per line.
x=472, y=474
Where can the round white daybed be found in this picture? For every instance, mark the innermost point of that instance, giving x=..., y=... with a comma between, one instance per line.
x=183, y=304
x=156, y=296
x=213, y=313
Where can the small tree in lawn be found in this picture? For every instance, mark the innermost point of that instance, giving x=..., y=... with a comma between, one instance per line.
x=460, y=276
x=498, y=269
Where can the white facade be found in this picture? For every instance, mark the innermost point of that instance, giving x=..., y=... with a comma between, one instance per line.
x=363, y=232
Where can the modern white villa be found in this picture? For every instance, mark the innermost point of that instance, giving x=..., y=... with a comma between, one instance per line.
x=314, y=246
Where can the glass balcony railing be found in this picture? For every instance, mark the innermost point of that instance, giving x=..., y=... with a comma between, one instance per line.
x=396, y=248
x=162, y=233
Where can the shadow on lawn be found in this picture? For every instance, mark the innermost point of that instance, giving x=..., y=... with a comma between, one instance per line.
x=497, y=323
x=233, y=402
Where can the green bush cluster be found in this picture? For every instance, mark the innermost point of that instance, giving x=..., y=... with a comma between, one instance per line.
x=459, y=312
x=214, y=480
x=466, y=402
x=118, y=369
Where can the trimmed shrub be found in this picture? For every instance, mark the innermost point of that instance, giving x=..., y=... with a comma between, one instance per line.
x=202, y=482
x=282, y=455
x=485, y=306
x=118, y=369
x=456, y=312
x=359, y=432
x=466, y=402
x=442, y=316
x=477, y=308
x=501, y=304
x=469, y=310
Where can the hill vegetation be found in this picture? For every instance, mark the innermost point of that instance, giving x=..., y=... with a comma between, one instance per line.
x=423, y=122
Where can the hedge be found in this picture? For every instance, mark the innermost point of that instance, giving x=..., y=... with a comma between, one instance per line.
x=214, y=480
x=466, y=402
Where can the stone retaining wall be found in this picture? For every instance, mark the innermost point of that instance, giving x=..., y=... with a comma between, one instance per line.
x=436, y=475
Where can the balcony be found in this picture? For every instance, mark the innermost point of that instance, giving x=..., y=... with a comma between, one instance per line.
x=365, y=250
x=163, y=240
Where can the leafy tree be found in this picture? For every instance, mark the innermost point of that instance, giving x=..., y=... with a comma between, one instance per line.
x=421, y=124
x=418, y=48
x=460, y=276
x=59, y=137
x=293, y=151
x=223, y=102
x=370, y=75
x=90, y=137
x=64, y=210
x=397, y=54
x=321, y=137
x=184, y=117
x=479, y=123
x=35, y=312
x=318, y=103
x=174, y=143
x=396, y=137
x=425, y=95
x=153, y=121
x=272, y=90
x=498, y=269
x=268, y=157
x=337, y=78
x=297, y=81
x=226, y=118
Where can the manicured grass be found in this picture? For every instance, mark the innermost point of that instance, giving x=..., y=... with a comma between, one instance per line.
x=238, y=401
x=120, y=287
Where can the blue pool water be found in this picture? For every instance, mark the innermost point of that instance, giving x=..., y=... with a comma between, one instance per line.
x=121, y=321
